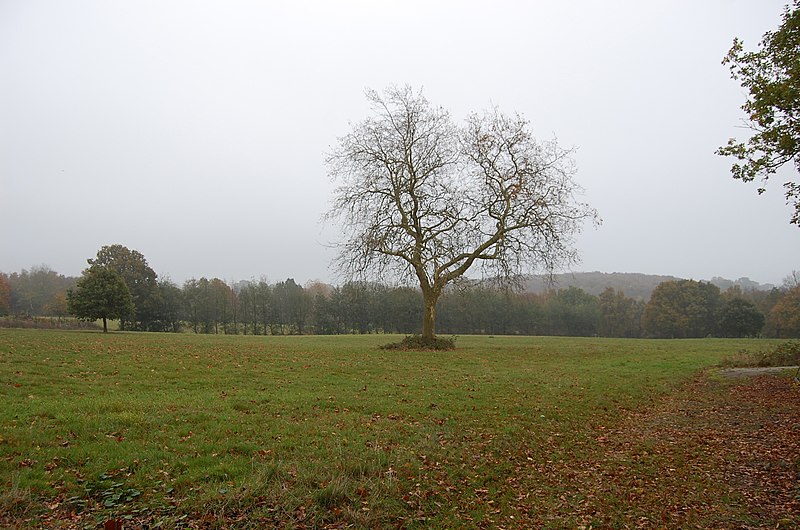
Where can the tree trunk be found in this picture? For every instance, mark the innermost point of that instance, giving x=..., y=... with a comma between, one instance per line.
x=105, y=325
x=429, y=316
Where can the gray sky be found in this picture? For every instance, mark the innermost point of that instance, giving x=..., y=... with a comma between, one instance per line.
x=195, y=132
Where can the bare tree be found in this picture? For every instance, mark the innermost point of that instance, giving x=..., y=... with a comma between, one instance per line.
x=792, y=280
x=421, y=198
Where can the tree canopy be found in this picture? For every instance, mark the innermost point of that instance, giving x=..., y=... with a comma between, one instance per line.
x=784, y=318
x=682, y=309
x=5, y=295
x=423, y=199
x=100, y=293
x=740, y=318
x=772, y=77
x=140, y=279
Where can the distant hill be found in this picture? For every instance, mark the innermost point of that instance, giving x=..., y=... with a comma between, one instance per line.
x=634, y=285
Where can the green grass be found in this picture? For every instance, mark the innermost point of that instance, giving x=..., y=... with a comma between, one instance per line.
x=307, y=431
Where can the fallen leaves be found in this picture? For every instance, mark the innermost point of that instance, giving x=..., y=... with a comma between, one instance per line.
x=709, y=455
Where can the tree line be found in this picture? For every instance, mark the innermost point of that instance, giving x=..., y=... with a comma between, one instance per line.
x=676, y=309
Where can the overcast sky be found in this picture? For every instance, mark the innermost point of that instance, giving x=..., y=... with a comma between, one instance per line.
x=195, y=131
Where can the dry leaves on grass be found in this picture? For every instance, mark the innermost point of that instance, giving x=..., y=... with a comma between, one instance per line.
x=714, y=455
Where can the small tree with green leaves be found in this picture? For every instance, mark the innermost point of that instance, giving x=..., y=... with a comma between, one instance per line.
x=141, y=280
x=772, y=77
x=100, y=293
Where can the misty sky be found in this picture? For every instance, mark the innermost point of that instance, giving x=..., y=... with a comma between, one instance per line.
x=195, y=132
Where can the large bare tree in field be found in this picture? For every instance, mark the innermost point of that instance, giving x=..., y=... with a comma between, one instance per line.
x=422, y=199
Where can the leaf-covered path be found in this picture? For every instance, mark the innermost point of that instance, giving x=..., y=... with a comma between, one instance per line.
x=717, y=454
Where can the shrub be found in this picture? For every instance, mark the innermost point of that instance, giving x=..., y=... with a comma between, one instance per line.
x=420, y=343
x=784, y=354
x=28, y=322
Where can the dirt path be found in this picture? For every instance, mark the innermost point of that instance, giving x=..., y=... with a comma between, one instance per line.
x=749, y=372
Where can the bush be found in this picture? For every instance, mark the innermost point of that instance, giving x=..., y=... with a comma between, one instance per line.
x=420, y=343
x=784, y=354
x=28, y=322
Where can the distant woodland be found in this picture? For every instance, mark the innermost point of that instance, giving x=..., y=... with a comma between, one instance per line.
x=580, y=304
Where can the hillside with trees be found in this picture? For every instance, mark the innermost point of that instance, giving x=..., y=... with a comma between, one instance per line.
x=635, y=285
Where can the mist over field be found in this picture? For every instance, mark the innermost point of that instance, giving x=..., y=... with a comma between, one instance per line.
x=196, y=132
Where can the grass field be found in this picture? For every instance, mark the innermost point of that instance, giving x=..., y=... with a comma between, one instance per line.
x=177, y=431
